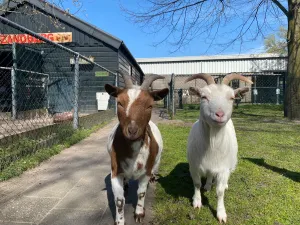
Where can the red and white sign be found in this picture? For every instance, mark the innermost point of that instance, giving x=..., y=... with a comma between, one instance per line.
x=61, y=37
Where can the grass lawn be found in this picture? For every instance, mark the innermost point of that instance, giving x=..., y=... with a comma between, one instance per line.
x=265, y=187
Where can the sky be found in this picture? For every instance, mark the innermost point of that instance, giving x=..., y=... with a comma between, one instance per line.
x=108, y=16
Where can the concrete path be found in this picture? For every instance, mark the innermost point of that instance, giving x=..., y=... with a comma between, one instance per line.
x=72, y=188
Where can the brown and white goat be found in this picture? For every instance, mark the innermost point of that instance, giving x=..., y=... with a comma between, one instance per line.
x=135, y=143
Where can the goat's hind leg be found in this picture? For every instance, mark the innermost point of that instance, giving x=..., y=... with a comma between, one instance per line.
x=117, y=188
x=209, y=182
x=197, y=185
x=222, y=184
x=140, y=207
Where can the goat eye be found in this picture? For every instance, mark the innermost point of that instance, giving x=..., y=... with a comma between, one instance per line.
x=119, y=104
x=232, y=98
x=150, y=107
x=204, y=97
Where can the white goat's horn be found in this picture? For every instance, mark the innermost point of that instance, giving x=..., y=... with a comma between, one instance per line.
x=127, y=81
x=235, y=76
x=206, y=77
x=149, y=79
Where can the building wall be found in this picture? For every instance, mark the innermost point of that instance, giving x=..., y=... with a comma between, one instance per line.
x=127, y=68
x=211, y=65
x=57, y=62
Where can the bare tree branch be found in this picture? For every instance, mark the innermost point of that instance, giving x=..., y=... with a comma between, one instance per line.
x=281, y=7
x=185, y=20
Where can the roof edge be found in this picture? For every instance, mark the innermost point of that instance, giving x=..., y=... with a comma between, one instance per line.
x=133, y=59
x=212, y=57
x=70, y=19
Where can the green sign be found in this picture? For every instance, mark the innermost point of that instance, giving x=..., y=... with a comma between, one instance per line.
x=101, y=74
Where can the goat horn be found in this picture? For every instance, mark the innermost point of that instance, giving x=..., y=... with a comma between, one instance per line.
x=149, y=80
x=127, y=81
x=235, y=76
x=206, y=77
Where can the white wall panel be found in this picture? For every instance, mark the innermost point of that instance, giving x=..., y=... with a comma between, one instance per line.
x=213, y=65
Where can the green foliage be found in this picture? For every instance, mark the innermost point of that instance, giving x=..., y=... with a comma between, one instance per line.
x=264, y=189
x=277, y=43
x=193, y=106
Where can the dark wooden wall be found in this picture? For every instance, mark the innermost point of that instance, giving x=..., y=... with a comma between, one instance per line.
x=57, y=62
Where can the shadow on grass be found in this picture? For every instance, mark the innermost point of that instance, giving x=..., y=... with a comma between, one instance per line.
x=295, y=176
x=178, y=183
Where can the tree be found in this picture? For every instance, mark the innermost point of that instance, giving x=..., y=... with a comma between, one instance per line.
x=277, y=43
x=186, y=20
x=75, y=5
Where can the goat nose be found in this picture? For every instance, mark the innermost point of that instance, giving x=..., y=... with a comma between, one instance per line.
x=220, y=114
x=132, y=128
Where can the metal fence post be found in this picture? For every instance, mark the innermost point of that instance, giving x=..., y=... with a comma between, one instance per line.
x=13, y=83
x=277, y=91
x=255, y=90
x=76, y=92
x=173, y=95
x=170, y=97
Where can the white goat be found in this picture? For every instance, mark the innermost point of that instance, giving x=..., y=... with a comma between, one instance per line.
x=135, y=143
x=212, y=145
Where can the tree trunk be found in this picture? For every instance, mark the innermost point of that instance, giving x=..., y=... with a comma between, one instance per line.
x=292, y=95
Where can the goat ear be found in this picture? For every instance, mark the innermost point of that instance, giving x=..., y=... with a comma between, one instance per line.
x=240, y=92
x=194, y=91
x=160, y=94
x=112, y=90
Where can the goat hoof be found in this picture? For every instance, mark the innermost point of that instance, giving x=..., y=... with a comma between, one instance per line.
x=197, y=203
x=153, y=179
x=222, y=217
x=119, y=223
x=139, y=217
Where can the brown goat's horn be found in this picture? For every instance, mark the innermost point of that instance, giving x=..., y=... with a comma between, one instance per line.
x=235, y=76
x=149, y=79
x=206, y=77
x=127, y=81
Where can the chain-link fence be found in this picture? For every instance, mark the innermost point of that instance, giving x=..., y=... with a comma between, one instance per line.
x=267, y=88
x=46, y=93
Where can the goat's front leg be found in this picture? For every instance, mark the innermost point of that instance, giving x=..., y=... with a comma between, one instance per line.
x=197, y=185
x=222, y=184
x=117, y=188
x=140, y=209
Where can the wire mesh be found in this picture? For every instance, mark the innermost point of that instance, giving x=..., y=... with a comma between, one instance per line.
x=45, y=92
x=267, y=88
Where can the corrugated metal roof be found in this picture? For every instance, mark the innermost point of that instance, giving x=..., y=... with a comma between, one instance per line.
x=212, y=57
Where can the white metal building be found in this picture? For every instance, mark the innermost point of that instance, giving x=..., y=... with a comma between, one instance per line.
x=266, y=71
x=218, y=64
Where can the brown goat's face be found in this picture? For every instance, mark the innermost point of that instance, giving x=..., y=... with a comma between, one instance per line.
x=134, y=109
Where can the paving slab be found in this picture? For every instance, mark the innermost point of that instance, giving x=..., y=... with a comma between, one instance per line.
x=72, y=187
x=73, y=217
x=27, y=209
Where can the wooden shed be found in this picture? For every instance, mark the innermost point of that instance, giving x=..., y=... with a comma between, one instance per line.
x=78, y=35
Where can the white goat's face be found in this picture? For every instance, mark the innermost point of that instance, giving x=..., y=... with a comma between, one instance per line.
x=217, y=99
x=216, y=104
